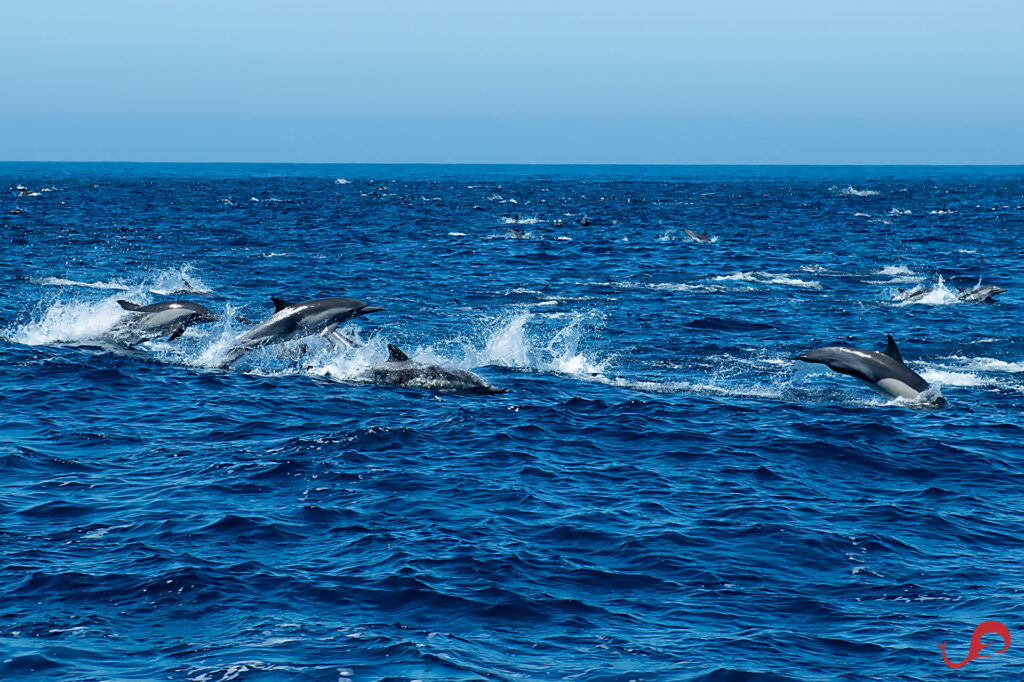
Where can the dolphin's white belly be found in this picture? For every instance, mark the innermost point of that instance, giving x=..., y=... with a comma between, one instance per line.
x=896, y=388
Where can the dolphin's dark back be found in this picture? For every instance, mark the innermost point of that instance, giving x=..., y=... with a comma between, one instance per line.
x=164, y=305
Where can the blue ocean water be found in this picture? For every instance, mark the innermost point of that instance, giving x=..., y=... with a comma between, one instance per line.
x=662, y=493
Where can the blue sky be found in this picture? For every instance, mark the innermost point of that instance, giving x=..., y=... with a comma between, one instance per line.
x=525, y=82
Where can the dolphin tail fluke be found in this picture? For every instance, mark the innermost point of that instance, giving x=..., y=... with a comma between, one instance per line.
x=177, y=332
x=395, y=354
x=128, y=305
x=892, y=351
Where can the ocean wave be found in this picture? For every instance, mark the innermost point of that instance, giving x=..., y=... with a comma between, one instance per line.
x=63, y=282
x=984, y=364
x=894, y=270
x=759, y=277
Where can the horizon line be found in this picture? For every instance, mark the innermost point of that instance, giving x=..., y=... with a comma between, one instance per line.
x=516, y=163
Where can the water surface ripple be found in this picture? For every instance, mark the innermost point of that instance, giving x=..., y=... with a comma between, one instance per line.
x=662, y=493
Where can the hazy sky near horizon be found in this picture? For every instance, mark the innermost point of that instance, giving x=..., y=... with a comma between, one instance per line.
x=729, y=81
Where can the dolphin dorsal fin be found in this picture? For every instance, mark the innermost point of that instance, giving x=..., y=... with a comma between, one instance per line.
x=280, y=304
x=395, y=354
x=891, y=350
x=128, y=305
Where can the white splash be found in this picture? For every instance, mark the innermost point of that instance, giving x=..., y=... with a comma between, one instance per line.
x=939, y=294
x=68, y=321
x=509, y=344
x=851, y=191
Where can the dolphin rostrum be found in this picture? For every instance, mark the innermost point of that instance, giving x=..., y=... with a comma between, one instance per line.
x=147, y=322
x=883, y=372
x=296, y=320
x=399, y=370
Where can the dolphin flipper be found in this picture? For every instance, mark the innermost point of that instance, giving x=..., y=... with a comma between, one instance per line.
x=339, y=341
x=177, y=332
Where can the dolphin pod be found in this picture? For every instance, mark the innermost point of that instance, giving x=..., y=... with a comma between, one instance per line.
x=293, y=321
x=884, y=372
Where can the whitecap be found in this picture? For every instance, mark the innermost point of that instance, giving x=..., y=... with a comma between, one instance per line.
x=851, y=191
x=62, y=282
x=760, y=277
x=894, y=270
x=521, y=221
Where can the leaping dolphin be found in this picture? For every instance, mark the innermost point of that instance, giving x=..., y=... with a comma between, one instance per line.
x=296, y=320
x=150, y=321
x=979, y=293
x=883, y=372
x=702, y=237
x=399, y=370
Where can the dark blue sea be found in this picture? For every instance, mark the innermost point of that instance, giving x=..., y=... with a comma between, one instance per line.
x=662, y=493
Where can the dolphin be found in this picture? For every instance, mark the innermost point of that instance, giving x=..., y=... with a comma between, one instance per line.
x=296, y=320
x=399, y=370
x=697, y=236
x=147, y=322
x=883, y=372
x=917, y=293
x=978, y=294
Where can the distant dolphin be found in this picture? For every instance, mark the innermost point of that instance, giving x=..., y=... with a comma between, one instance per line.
x=917, y=293
x=150, y=321
x=697, y=236
x=883, y=372
x=399, y=370
x=979, y=294
x=296, y=320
